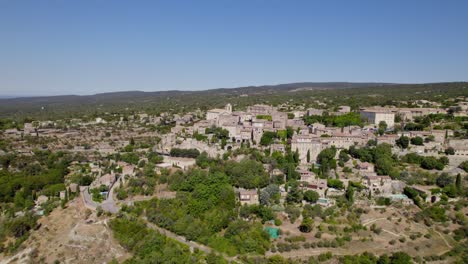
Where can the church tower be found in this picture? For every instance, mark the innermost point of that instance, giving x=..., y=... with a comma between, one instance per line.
x=228, y=108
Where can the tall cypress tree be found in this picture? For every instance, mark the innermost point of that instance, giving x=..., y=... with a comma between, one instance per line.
x=458, y=183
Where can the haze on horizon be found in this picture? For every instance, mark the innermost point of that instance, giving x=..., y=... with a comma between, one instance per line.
x=88, y=47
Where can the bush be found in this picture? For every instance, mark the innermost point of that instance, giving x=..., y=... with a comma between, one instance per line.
x=450, y=151
x=278, y=222
x=375, y=229
x=306, y=225
x=418, y=141
x=464, y=166
x=383, y=201
x=325, y=256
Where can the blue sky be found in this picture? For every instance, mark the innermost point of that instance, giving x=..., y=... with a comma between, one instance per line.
x=86, y=47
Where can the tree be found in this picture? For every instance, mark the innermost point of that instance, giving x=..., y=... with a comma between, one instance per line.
x=464, y=166
x=335, y=183
x=350, y=194
x=291, y=173
x=344, y=157
x=326, y=158
x=289, y=132
x=247, y=174
x=308, y=155
x=418, y=141
x=429, y=138
x=382, y=127
x=400, y=258
x=306, y=225
x=269, y=194
x=267, y=138
x=430, y=163
x=444, y=180
x=450, y=151
x=458, y=183
x=153, y=157
x=296, y=156
x=403, y=142
x=311, y=196
x=384, y=165
x=294, y=194
x=203, y=161
x=186, y=153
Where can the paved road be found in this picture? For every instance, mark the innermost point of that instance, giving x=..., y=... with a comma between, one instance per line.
x=87, y=199
x=108, y=205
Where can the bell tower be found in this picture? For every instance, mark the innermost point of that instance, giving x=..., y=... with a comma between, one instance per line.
x=228, y=108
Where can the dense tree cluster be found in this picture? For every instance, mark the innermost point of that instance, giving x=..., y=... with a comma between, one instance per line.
x=381, y=155
x=205, y=205
x=247, y=174
x=42, y=173
x=326, y=159
x=148, y=245
x=22, y=180
x=349, y=119
x=184, y=153
x=268, y=137
x=426, y=162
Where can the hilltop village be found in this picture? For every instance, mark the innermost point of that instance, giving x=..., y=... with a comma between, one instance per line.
x=242, y=185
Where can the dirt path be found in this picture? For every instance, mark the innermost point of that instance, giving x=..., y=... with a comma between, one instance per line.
x=370, y=221
x=312, y=252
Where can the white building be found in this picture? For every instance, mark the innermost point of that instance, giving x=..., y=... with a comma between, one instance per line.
x=376, y=116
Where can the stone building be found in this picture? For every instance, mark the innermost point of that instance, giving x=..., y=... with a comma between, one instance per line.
x=375, y=116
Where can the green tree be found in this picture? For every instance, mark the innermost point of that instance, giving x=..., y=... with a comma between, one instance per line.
x=306, y=225
x=459, y=184
x=444, y=180
x=403, y=142
x=247, y=174
x=400, y=258
x=464, y=166
x=418, y=141
x=267, y=138
x=450, y=151
x=344, y=157
x=326, y=159
x=335, y=183
x=311, y=196
x=382, y=127
x=295, y=195
x=350, y=194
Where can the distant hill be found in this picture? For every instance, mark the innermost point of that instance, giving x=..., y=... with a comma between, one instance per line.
x=68, y=105
x=246, y=90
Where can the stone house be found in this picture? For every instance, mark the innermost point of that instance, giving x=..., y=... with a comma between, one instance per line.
x=248, y=197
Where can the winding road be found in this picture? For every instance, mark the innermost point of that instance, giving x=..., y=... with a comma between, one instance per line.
x=108, y=205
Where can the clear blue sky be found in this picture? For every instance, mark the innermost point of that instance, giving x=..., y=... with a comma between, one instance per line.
x=87, y=47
